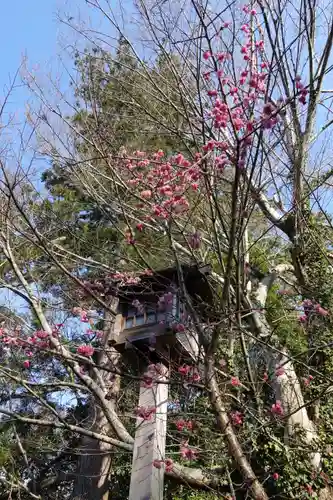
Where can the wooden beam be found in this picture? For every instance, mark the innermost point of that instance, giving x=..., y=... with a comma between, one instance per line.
x=147, y=480
x=189, y=341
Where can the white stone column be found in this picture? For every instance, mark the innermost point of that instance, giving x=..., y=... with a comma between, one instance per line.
x=147, y=480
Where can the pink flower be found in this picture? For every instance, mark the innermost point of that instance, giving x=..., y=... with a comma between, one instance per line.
x=187, y=453
x=307, y=381
x=277, y=408
x=84, y=317
x=196, y=377
x=265, y=377
x=189, y=425
x=55, y=332
x=237, y=418
x=26, y=363
x=41, y=334
x=279, y=371
x=85, y=350
x=145, y=413
x=235, y=381
x=140, y=154
x=147, y=382
x=275, y=476
x=207, y=55
x=184, y=370
x=321, y=311
x=168, y=464
x=158, y=463
x=10, y=341
x=309, y=489
x=180, y=424
x=139, y=227
x=179, y=159
x=146, y=194
x=180, y=327
x=302, y=318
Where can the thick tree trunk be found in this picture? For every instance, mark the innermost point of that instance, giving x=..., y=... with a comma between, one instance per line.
x=94, y=465
x=94, y=462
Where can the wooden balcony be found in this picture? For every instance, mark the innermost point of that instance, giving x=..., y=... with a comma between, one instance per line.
x=134, y=327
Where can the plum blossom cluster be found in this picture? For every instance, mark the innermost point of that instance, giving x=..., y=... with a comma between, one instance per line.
x=236, y=418
x=190, y=373
x=160, y=185
x=146, y=413
x=163, y=187
x=168, y=462
x=186, y=452
x=179, y=327
x=85, y=350
x=84, y=315
x=279, y=371
x=311, y=308
x=239, y=103
x=97, y=333
x=39, y=340
x=81, y=313
x=277, y=409
x=307, y=380
x=235, y=382
x=301, y=89
x=247, y=88
x=125, y=278
x=153, y=372
x=182, y=424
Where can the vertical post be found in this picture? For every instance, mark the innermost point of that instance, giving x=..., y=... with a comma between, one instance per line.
x=147, y=480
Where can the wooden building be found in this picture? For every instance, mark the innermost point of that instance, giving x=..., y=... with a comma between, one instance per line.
x=151, y=313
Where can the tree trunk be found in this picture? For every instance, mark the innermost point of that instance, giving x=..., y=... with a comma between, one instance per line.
x=288, y=390
x=94, y=465
x=94, y=462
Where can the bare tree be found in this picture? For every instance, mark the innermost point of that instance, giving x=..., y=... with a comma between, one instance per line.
x=246, y=100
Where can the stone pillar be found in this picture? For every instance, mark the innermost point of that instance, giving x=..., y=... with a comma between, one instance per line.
x=146, y=479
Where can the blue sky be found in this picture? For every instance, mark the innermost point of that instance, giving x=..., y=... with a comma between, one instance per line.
x=27, y=28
